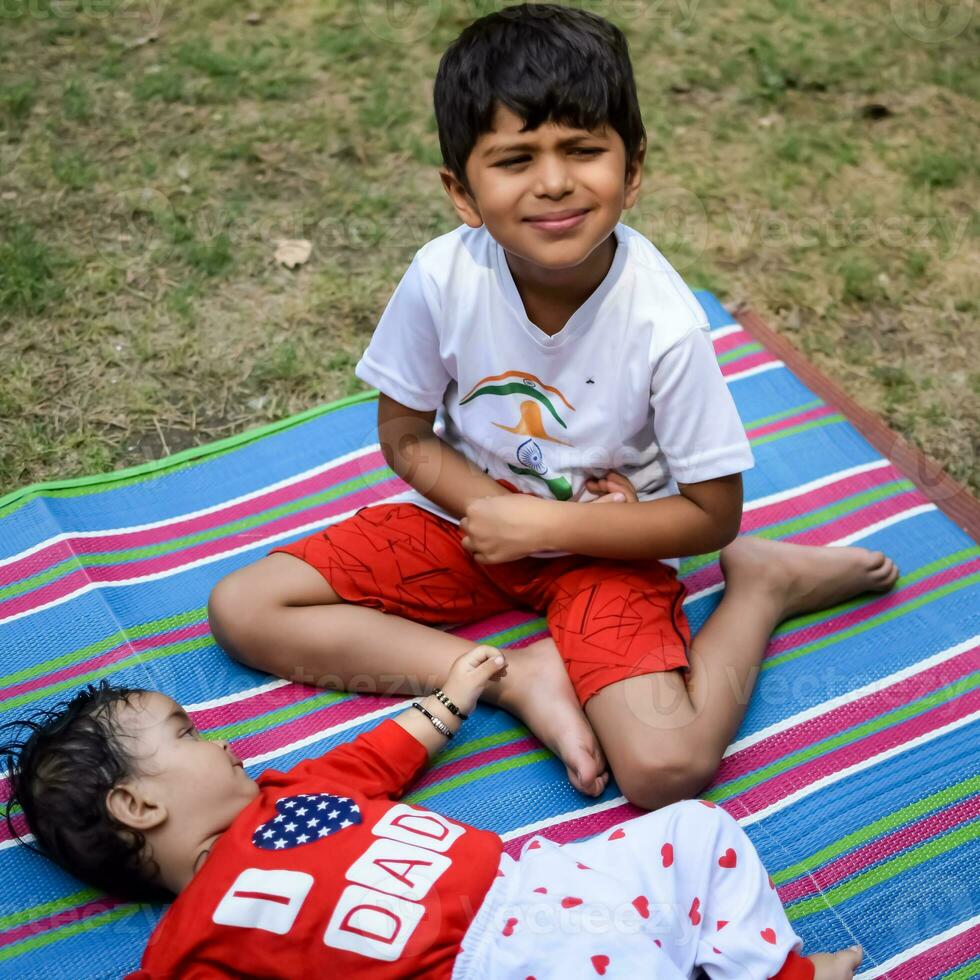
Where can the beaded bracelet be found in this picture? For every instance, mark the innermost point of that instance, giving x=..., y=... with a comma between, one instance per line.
x=442, y=697
x=440, y=726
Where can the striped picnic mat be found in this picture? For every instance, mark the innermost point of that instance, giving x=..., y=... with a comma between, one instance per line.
x=855, y=772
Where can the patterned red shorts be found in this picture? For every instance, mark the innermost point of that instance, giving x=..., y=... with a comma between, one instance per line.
x=610, y=619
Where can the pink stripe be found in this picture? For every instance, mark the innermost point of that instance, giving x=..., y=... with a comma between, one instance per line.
x=938, y=959
x=744, y=363
x=864, y=857
x=807, y=503
x=178, y=527
x=563, y=831
x=814, y=413
x=65, y=918
x=890, y=600
x=139, y=645
x=252, y=706
x=823, y=534
x=509, y=750
x=737, y=338
x=779, y=787
x=838, y=720
x=77, y=579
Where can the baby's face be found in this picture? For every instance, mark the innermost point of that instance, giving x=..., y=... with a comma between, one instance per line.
x=181, y=769
x=517, y=176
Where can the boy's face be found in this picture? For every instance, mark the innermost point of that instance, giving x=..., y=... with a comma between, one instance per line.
x=181, y=771
x=518, y=177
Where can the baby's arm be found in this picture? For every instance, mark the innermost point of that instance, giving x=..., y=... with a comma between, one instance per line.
x=467, y=678
x=431, y=466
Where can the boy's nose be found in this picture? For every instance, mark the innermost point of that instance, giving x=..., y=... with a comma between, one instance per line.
x=553, y=177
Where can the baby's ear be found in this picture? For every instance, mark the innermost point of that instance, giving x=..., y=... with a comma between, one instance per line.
x=128, y=805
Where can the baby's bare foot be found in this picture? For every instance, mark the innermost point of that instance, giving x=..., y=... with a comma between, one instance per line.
x=836, y=966
x=802, y=578
x=537, y=689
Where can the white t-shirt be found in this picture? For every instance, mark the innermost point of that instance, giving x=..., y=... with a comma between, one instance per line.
x=630, y=383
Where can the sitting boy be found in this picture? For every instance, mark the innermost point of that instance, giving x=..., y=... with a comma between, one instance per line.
x=320, y=871
x=538, y=356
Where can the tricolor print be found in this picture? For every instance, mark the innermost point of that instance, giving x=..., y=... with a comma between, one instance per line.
x=854, y=773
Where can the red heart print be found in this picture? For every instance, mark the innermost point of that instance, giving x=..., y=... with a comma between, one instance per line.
x=667, y=853
x=728, y=859
x=509, y=927
x=617, y=834
x=772, y=884
x=642, y=905
x=533, y=846
x=542, y=890
x=584, y=867
x=659, y=943
x=599, y=964
x=500, y=873
x=570, y=902
x=707, y=803
x=769, y=936
x=694, y=914
x=721, y=924
x=717, y=950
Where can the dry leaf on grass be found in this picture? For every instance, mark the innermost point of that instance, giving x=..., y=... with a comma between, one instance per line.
x=292, y=252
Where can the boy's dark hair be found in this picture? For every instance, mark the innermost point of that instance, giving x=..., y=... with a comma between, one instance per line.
x=60, y=775
x=545, y=63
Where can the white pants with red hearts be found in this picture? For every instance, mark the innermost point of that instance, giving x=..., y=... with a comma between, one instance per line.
x=658, y=896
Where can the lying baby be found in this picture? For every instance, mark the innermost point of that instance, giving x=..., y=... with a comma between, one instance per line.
x=321, y=870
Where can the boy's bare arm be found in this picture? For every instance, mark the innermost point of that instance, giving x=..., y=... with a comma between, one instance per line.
x=422, y=459
x=702, y=518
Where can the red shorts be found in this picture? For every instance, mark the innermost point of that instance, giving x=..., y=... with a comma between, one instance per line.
x=610, y=619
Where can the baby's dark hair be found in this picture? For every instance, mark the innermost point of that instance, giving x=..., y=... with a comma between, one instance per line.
x=544, y=62
x=60, y=774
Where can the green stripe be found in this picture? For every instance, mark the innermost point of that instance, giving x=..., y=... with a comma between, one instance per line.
x=795, y=430
x=65, y=932
x=785, y=414
x=83, y=485
x=941, y=695
x=516, y=388
x=737, y=353
x=121, y=556
x=947, y=796
x=814, y=518
x=923, y=571
x=170, y=650
x=478, y=745
x=101, y=646
x=272, y=718
x=491, y=769
x=966, y=971
x=905, y=861
x=870, y=624
x=48, y=908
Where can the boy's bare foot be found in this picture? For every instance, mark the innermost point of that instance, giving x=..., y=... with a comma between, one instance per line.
x=538, y=691
x=836, y=966
x=802, y=578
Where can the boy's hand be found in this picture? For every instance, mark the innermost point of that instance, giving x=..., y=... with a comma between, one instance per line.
x=470, y=674
x=612, y=488
x=505, y=528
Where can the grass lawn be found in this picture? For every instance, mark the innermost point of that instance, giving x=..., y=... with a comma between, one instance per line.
x=816, y=161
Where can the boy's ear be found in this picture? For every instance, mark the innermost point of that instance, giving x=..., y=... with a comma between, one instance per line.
x=634, y=176
x=128, y=805
x=462, y=201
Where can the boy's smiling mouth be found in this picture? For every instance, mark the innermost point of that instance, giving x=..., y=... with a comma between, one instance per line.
x=559, y=220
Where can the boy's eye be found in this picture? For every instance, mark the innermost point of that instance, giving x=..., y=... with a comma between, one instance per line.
x=586, y=150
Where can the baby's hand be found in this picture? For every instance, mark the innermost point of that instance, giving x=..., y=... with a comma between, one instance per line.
x=612, y=488
x=470, y=674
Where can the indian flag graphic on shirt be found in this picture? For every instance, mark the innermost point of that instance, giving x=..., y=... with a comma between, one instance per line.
x=535, y=407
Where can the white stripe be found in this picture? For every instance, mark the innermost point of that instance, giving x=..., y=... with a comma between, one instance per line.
x=866, y=532
x=848, y=539
x=237, y=696
x=750, y=372
x=856, y=768
x=190, y=515
x=823, y=481
x=780, y=727
x=13, y=842
x=725, y=330
x=260, y=542
x=920, y=947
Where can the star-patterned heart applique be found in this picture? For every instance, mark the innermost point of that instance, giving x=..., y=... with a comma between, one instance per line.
x=304, y=819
